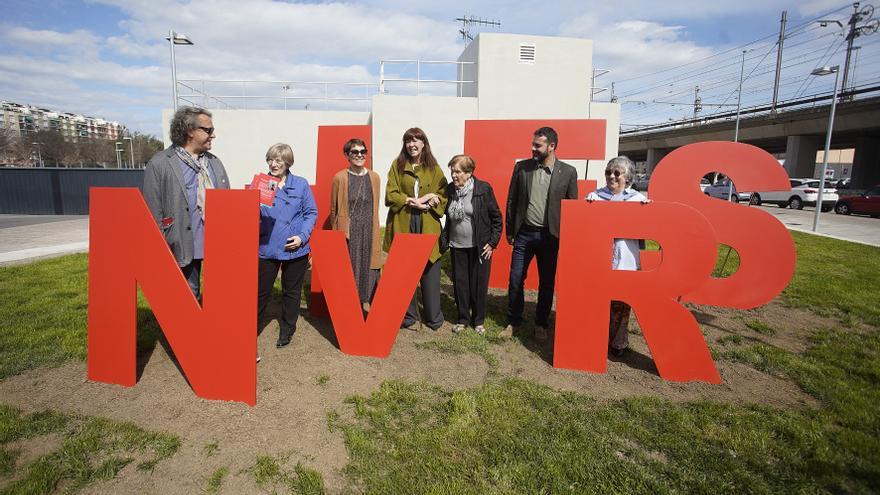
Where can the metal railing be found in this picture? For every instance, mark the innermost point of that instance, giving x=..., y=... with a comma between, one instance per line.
x=285, y=91
x=459, y=81
x=245, y=94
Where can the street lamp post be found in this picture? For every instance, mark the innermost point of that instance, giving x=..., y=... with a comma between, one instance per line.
x=130, y=147
x=742, y=69
x=175, y=39
x=824, y=71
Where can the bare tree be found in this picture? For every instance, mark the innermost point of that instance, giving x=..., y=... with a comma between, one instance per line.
x=56, y=150
x=8, y=147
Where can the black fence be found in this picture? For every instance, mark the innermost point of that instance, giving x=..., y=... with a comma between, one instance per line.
x=58, y=191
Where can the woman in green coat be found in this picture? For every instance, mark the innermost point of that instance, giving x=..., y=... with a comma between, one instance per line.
x=416, y=199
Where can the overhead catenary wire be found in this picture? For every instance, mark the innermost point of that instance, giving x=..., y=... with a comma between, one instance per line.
x=667, y=94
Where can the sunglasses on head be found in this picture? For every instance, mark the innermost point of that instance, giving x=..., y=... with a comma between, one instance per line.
x=360, y=152
x=208, y=130
x=616, y=173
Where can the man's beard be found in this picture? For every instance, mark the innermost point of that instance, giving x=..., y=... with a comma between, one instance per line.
x=538, y=156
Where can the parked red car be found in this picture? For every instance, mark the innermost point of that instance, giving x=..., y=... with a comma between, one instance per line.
x=867, y=203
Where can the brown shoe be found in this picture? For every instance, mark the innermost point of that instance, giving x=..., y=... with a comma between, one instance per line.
x=413, y=327
x=541, y=335
x=509, y=331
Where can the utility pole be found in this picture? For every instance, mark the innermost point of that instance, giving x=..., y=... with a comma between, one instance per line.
x=868, y=27
x=778, y=60
x=698, y=102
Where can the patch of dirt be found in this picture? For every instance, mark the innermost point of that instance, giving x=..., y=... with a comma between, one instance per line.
x=791, y=327
x=29, y=450
x=290, y=417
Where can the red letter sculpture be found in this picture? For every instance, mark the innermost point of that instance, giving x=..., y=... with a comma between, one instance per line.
x=586, y=285
x=215, y=344
x=406, y=260
x=766, y=249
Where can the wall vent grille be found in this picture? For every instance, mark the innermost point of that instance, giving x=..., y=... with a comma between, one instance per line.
x=526, y=53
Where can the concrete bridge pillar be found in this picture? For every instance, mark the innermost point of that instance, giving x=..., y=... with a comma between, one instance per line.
x=866, y=162
x=800, y=155
x=654, y=157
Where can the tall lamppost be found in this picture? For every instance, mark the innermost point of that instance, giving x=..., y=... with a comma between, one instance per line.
x=824, y=71
x=175, y=39
x=742, y=69
x=130, y=147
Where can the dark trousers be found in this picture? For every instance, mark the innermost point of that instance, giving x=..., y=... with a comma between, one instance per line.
x=531, y=243
x=618, y=333
x=193, y=274
x=292, y=274
x=430, y=284
x=470, y=284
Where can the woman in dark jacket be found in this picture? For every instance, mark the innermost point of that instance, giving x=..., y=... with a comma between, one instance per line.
x=472, y=232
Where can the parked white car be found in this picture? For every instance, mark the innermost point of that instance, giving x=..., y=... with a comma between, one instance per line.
x=804, y=192
x=722, y=189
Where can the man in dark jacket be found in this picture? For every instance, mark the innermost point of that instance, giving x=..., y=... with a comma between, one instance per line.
x=175, y=182
x=534, y=201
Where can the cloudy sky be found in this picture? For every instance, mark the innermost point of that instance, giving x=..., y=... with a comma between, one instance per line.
x=109, y=58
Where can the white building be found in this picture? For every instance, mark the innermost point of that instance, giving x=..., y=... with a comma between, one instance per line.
x=514, y=77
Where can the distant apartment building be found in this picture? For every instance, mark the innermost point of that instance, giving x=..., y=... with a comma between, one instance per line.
x=26, y=119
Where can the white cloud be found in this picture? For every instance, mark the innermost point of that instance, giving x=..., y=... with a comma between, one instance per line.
x=634, y=47
x=326, y=41
x=257, y=40
x=44, y=37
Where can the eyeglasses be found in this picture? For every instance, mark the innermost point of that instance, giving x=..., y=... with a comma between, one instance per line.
x=270, y=161
x=616, y=173
x=208, y=130
x=362, y=152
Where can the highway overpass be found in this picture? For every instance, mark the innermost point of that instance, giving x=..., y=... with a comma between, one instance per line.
x=798, y=133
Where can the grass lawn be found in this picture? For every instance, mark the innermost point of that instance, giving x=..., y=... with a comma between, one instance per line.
x=508, y=435
x=89, y=449
x=513, y=436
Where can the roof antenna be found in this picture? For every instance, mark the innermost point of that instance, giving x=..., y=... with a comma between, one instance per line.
x=468, y=21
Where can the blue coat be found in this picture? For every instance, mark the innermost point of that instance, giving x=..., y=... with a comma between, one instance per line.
x=293, y=213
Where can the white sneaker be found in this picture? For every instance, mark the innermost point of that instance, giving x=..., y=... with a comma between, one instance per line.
x=480, y=329
x=457, y=328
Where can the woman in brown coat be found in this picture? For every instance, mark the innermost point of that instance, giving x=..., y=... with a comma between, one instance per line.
x=354, y=209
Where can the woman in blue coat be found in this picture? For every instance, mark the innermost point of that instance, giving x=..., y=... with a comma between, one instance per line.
x=285, y=229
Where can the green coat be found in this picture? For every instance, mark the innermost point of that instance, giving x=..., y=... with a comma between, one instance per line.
x=401, y=185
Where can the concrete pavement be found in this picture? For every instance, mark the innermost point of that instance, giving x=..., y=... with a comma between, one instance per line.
x=24, y=238
x=854, y=228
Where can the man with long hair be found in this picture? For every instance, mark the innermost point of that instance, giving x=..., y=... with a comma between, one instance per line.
x=175, y=182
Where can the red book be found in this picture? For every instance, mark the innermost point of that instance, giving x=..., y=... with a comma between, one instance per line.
x=267, y=186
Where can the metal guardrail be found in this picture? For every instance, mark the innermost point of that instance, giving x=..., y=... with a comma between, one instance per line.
x=418, y=79
x=202, y=92
x=317, y=91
